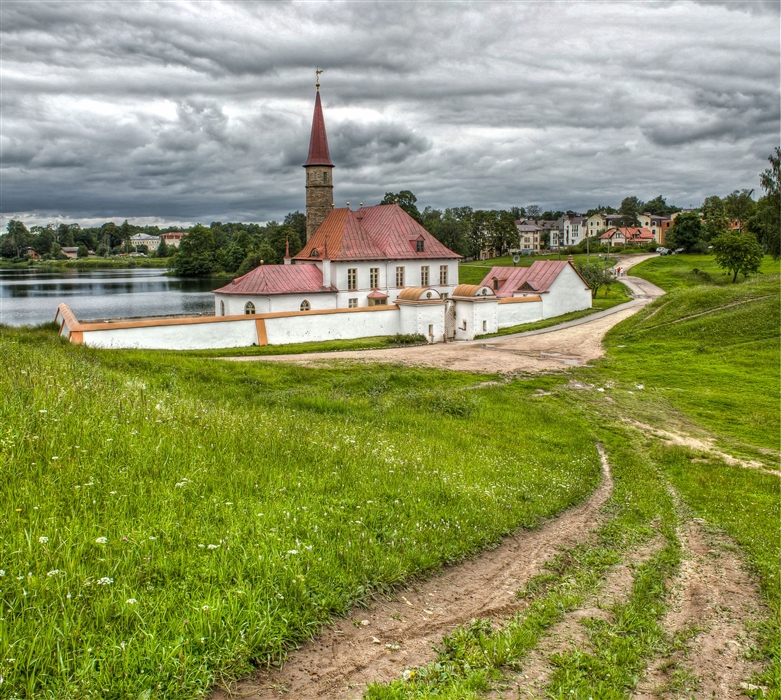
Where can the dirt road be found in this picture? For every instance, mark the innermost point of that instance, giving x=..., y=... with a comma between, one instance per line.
x=399, y=634
x=572, y=343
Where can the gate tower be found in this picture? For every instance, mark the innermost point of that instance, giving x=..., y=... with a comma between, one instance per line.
x=319, y=172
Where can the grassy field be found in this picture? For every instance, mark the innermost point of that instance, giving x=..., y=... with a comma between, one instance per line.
x=680, y=271
x=169, y=520
x=89, y=264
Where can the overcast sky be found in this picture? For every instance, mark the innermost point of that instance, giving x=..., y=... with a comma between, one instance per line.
x=179, y=112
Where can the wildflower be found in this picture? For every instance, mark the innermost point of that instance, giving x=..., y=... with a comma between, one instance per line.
x=640, y=386
x=101, y=540
x=105, y=581
x=152, y=537
x=205, y=608
x=55, y=458
x=53, y=572
x=110, y=440
x=131, y=601
x=2, y=573
x=43, y=539
x=292, y=551
x=42, y=410
x=213, y=546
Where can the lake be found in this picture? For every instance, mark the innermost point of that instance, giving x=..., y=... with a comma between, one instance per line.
x=30, y=297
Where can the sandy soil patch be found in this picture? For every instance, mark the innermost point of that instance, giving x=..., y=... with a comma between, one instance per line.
x=397, y=634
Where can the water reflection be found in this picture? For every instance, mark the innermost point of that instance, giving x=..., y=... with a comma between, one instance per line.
x=30, y=297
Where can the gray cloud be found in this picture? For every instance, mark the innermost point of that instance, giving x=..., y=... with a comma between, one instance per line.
x=197, y=111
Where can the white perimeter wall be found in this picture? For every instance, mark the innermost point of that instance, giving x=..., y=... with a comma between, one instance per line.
x=190, y=336
x=567, y=293
x=302, y=328
x=427, y=319
x=480, y=317
x=514, y=313
x=272, y=303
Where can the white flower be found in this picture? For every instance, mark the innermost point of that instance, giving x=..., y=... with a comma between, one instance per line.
x=640, y=386
x=43, y=539
x=292, y=551
x=105, y=581
x=42, y=410
x=101, y=540
x=131, y=601
x=205, y=608
x=213, y=546
x=152, y=537
x=2, y=573
x=406, y=675
x=54, y=458
x=53, y=572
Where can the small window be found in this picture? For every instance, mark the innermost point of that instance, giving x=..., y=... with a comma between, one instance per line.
x=419, y=246
x=352, y=278
x=431, y=330
x=496, y=284
x=424, y=276
x=443, y=274
x=305, y=305
x=352, y=303
x=374, y=277
x=249, y=308
x=315, y=253
x=399, y=276
x=222, y=307
x=485, y=325
x=464, y=326
x=444, y=295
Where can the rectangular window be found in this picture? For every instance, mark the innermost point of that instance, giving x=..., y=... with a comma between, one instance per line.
x=352, y=303
x=352, y=278
x=419, y=246
x=374, y=277
x=443, y=274
x=399, y=276
x=485, y=325
x=445, y=295
x=424, y=276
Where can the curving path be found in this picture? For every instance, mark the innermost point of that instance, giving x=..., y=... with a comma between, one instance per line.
x=571, y=343
x=397, y=634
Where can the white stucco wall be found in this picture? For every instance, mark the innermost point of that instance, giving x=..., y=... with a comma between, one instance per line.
x=302, y=328
x=190, y=336
x=567, y=293
x=481, y=316
x=514, y=313
x=272, y=303
x=426, y=319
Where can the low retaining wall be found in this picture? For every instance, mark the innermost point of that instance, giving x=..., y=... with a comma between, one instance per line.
x=232, y=331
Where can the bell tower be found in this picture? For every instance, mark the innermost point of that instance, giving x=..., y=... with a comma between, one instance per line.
x=319, y=171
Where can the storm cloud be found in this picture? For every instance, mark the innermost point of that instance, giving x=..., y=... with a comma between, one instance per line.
x=198, y=111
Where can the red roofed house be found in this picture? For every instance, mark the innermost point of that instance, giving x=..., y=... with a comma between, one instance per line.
x=351, y=259
x=626, y=236
x=556, y=283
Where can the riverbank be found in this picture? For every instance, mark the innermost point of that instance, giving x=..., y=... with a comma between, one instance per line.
x=87, y=264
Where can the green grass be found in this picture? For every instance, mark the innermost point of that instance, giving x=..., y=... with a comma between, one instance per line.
x=88, y=263
x=384, y=341
x=678, y=271
x=242, y=505
x=617, y=294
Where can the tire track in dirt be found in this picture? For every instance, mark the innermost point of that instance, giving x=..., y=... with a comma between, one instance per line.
x=570, y=633
x=713, y=598
x=394, y=635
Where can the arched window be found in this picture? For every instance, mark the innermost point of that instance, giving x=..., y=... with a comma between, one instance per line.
x=305, y=305
x=249, y=308
x=222, y=307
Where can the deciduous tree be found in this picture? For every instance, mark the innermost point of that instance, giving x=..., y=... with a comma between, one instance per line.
x=738, y=253
x=686, y=232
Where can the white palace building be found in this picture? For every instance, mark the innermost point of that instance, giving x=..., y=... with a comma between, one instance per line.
x=370, y=272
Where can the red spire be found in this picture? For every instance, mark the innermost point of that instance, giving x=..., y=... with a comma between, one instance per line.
x=318, y=142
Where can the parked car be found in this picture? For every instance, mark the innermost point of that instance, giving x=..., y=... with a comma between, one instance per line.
x=661, y=250
x=677, y=251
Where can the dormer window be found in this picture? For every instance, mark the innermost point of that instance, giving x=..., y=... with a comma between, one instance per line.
x=315, y=253
x=496, y=284
x=419, y=245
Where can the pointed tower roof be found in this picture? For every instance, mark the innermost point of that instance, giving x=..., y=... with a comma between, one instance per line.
x=318, y=141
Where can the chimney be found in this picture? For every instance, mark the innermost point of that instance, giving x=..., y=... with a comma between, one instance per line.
x=287, y=259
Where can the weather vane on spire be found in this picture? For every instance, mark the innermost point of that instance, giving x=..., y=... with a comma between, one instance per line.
x=318, y=73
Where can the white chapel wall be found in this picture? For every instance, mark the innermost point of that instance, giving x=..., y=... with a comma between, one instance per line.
x=567, y=293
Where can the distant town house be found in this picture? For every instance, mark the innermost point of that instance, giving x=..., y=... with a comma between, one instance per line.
x=173, y=238
x=626, y=236
x=657, y=225
x=151, y=242
x=529, y=235
x=599, y=223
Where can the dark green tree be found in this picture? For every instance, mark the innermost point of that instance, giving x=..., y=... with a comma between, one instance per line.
x=297, y=221
x=738, y=253
x=686, y=232
x=162, y=249
x=766, y=220
x=406, y=200
x=533, y=211
x=629, y=209
x=597, y=274
x=82, y=252
x=659, y=207
x=18, y=236
x=715, y=220
x=197, y=254
x=739, y=206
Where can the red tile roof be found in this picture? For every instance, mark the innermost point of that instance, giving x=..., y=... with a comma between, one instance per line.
x=537, y=278
x=318, y=141
x=278, y=279
x=382, y=232
x=630, y=234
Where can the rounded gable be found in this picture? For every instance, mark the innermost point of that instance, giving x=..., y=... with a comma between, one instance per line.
x=473, y=290
x=419, y=294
